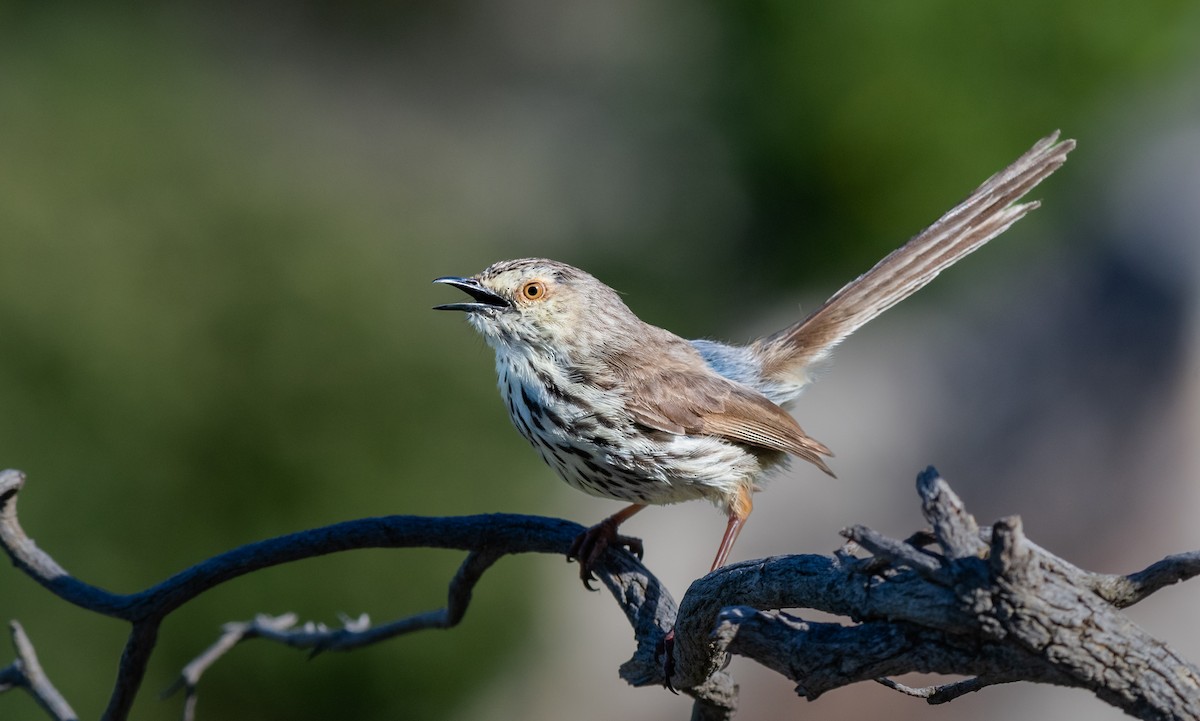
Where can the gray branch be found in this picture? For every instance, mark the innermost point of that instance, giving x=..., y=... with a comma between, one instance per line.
x=991, y=605
x=25, y=672
x=958, y=599
x=648, y=606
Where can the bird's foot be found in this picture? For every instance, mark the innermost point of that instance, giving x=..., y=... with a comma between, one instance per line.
x=590, y=545
x=667, y=647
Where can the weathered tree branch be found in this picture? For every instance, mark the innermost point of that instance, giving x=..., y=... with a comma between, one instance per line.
x=987, y=603
x=1124, y=591
x=648, y=606
x=26, y=672
x=991, y=605
x=945, y=693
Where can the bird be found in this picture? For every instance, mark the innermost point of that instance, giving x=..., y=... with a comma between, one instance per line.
x=626, y=410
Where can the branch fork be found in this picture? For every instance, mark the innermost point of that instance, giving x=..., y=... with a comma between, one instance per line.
x=985, y=602
x=990, y=604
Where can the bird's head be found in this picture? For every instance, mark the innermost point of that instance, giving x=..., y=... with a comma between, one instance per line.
x=535, y=302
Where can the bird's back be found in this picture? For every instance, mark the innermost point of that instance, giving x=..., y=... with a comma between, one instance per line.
x=741, y=365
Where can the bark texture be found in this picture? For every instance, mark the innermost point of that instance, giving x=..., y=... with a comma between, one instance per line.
x=987, y=603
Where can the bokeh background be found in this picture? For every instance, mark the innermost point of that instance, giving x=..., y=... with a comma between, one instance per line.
x=218, y=224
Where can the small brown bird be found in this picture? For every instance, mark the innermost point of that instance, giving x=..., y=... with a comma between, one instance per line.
x=626, y=410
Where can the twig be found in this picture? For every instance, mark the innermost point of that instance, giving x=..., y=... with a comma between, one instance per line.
x=955, y=529
x=1123, y=591
x=944, y=693
x=232, y=634
x=26, y=672
x=354, y=633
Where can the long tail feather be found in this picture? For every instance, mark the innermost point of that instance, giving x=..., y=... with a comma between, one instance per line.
x=986, y=213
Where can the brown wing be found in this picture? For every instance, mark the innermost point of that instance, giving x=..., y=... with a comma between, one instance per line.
x=681, y=395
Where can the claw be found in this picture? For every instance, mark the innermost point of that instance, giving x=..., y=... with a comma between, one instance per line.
x=667, y=647
x=589, y=546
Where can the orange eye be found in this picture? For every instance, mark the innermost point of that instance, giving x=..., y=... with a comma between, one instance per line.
x=533, y=290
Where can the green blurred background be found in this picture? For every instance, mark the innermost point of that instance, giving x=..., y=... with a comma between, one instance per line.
x=218, y=223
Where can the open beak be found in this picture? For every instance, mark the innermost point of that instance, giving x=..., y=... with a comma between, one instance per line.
x=484, y=298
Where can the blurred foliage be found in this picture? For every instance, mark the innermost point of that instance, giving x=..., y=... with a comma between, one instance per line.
x=825, y=98
x=214, y=264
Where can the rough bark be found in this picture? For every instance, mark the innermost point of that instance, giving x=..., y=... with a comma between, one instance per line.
x=987, y=603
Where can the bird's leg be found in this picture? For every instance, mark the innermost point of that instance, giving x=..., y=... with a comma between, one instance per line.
x=590, y=545
x=739, y=511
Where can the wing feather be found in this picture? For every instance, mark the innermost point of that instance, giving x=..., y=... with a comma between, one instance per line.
x=684, y=396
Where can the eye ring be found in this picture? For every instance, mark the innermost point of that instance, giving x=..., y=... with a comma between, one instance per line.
x=533, y=290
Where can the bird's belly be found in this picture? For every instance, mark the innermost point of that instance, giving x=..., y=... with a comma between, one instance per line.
x=612, y=457
x=680, y=469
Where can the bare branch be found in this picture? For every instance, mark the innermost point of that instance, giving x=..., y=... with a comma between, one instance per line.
x=945, y=693
x=26, y=672
x=647, y=605
x=1123, y=591
x=823, y=656
x=232, y=634
x=132, y=669
x=1001, y=612
x=959, y=599
x=354, y=633
x=955, y=529
x=891, y=550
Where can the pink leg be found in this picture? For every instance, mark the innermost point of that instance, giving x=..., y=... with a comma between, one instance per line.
x=739, y=511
